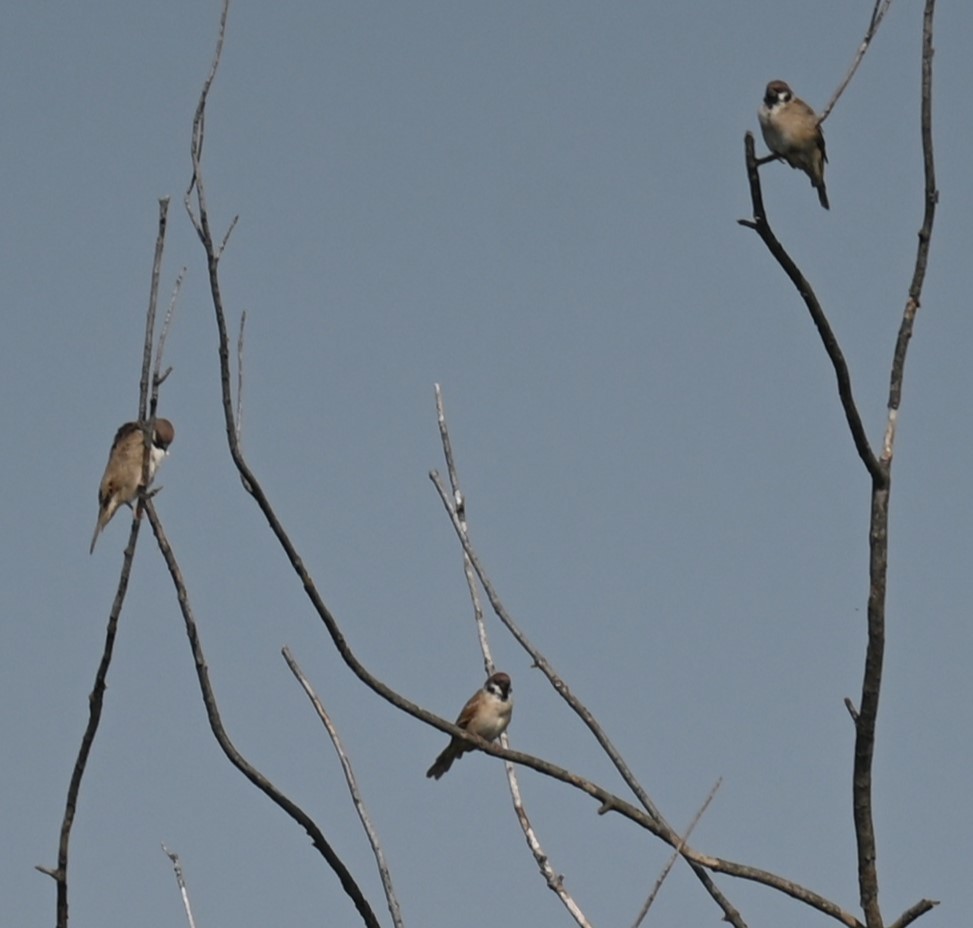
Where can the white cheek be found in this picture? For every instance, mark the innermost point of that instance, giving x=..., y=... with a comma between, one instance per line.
x=155, y=459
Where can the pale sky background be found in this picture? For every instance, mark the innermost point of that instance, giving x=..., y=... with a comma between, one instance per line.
x=535, y=205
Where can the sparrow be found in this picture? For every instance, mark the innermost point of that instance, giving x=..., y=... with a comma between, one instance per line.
x=486, y=713
x=122, y=479
x=791, y=131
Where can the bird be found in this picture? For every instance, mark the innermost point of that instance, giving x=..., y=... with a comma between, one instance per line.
x=486, y=713
x=792, y=132
x=122, y=479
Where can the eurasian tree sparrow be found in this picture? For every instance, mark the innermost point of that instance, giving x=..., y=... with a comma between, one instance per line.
x=487, y=714
x=791, y=130
x=123, y=474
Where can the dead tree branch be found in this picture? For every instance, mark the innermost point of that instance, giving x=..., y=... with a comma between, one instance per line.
x=878, y=14
x=383, y=869
x=761, y=226
x=239, y=377
x=158, y=375
x=554, y=880
x=322, y=845
x=145, y=385
x=148, y=399
x=675, y=856
x=879, y=468
x=181, y=883
x=878, y=533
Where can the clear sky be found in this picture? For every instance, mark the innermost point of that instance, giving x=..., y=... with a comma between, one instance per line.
x=535, y=205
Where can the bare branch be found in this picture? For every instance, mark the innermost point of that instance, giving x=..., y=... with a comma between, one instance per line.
x=878, y=532
x=878, y=14
x=200, y=221
x=878, y=468
x=925, y=235
x=761, y=226
x=239, y=377
x=911, y=914
x=675, y=855
x=459, y=507
x=347, y=881
x=226, y=236
x=370, y=832
x=148, y=398
x=181, y=882
x=144, y=410
x=554, y=880
x=459, y=504
x=96, y=701
x=159, y=378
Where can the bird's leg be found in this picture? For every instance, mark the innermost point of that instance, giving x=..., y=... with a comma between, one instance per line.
x=767, y=158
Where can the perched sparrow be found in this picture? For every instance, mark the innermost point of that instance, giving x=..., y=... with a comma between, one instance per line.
x=123, y=473
x=487, y=714
x=791, y=130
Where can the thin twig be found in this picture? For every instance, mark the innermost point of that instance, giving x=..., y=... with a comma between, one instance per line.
x=356, y=798
x=931, y=198
x=201, y=221
x=459, y=503
x=912, y=913
x=147, y=416
x=675, y=855
x=348, y=883
x=878, y=14
x=459, y=507
x=239, y=377
x=158, y=378
x=554, y=880
x=144, y=384
x=181, y=882
x=226, y=236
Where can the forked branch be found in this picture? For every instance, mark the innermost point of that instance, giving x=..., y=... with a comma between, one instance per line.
x=348, y=883
x=879, y=468
x=148, y=400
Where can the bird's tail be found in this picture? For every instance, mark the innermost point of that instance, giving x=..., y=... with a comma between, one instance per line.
x=823, y=195
x=94, y=537
x=99, y=525
x=444, y=761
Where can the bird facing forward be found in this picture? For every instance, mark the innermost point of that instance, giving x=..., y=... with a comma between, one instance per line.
x=486, y=714
x=123, y=473
x=792, y=132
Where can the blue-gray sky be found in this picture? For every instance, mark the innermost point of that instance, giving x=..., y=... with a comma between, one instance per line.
x=534, y=205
